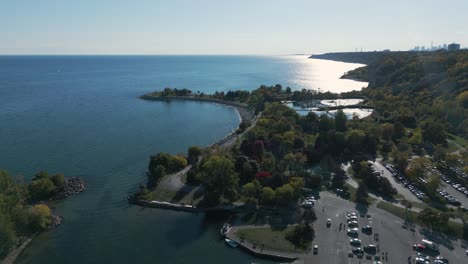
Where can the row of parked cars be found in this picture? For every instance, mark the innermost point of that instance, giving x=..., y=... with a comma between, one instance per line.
x=457, y=170
x=353, y=231
x=450, y=199
x=412, y=187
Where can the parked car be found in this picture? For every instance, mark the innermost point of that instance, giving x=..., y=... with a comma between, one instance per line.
x=358, y=251
x=372, y=249
x=367, y=229
x=355, y=242
x=328, y=222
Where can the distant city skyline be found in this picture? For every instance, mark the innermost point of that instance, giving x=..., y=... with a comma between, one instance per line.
x=227, y=27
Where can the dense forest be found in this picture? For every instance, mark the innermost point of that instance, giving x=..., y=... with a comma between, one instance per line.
x=420, y=90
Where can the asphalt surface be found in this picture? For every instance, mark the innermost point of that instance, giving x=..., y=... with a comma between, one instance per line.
x=334, y=246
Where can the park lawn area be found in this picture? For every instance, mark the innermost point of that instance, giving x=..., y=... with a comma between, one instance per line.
x=162, y=195
x=274, y=239
x=459, y=140
x=454, y=228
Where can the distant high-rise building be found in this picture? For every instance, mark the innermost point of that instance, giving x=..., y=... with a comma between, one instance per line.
x=453, y=46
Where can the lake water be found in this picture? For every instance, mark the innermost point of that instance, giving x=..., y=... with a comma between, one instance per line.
x=79, y=115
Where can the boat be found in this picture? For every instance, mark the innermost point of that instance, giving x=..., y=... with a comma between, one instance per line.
x=225, y=229
x=231, y=242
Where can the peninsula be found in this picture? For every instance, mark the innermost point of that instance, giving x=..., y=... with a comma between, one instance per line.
x=280, y=165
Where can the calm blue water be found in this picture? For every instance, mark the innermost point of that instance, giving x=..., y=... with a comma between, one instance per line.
x=79, y=115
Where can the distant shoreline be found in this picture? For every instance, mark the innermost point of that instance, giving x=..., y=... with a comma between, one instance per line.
x=243, y=111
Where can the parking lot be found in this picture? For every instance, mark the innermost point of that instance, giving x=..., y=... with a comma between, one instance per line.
x=393, y=241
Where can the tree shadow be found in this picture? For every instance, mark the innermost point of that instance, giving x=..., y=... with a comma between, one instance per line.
x=362, y=209
x=181, y=193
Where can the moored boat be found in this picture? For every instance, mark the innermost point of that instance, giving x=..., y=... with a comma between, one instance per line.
x=231, y=242
x=225, y=229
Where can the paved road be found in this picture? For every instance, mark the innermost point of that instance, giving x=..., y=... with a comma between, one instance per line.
x=334, y=244
x=401, y=189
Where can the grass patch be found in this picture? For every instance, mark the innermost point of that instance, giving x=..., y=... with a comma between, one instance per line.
x=459, y=140
x=274, y=239
x=453, y=228
x=162, y=195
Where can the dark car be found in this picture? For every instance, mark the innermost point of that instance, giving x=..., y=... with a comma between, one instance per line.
x=367, y=229
x=371, y=249
x=358, y=251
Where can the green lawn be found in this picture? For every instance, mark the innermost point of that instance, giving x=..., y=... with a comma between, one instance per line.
x=274, y=239
x=459, y=140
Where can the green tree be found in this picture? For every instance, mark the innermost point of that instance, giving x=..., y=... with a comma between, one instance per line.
x=463, y=99
x=193, y=153
x=58, y=180
x=284, y=194
x=41, y=189
x=362, y=194
x=387, y=131
x=340, y=121
x=8, y=237
x=41, y=216
x=252, y=190
x=301, y=235
x=267, y=195
x=219, y=178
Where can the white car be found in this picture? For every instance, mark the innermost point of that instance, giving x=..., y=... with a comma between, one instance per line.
x=422, y=261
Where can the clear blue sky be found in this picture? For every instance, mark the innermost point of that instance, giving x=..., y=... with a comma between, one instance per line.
x=226, y=27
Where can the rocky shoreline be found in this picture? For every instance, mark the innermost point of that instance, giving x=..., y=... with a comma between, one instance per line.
x=72, y=186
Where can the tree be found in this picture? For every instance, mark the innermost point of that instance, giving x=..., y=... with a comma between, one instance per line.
x=361, y=194
x=218, y=177
x=432, y=184
x=193, y=153
x=340, y=121
x=58, y=180
x=387, y=131
x=41, y=217
x=339, y=177
x=463, y=99
x=297, y=183
x=284, y=194
x=41, y=189
x=439, y=153
x=252, y=190
x=8, y=237
x=301, y=235
x=267, y=195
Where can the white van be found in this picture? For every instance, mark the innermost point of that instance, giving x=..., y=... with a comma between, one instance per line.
x=430, y=244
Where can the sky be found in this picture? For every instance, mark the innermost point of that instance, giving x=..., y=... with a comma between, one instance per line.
x=227, y=27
